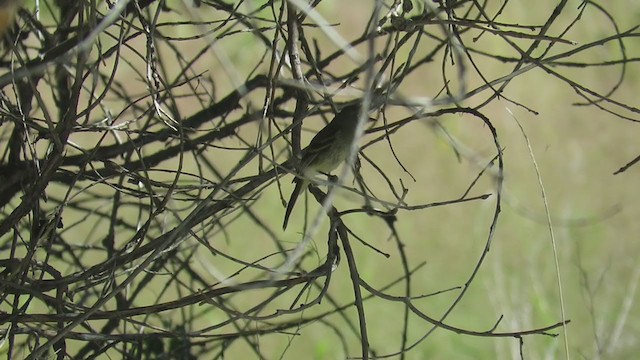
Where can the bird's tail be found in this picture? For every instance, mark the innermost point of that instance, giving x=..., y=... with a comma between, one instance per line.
x=300, y=186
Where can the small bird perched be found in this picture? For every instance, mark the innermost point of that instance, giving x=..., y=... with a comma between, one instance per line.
x=328, y=149
x=8, y=11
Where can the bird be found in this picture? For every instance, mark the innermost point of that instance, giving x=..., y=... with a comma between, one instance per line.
x=8, y=11
x=328, y=149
